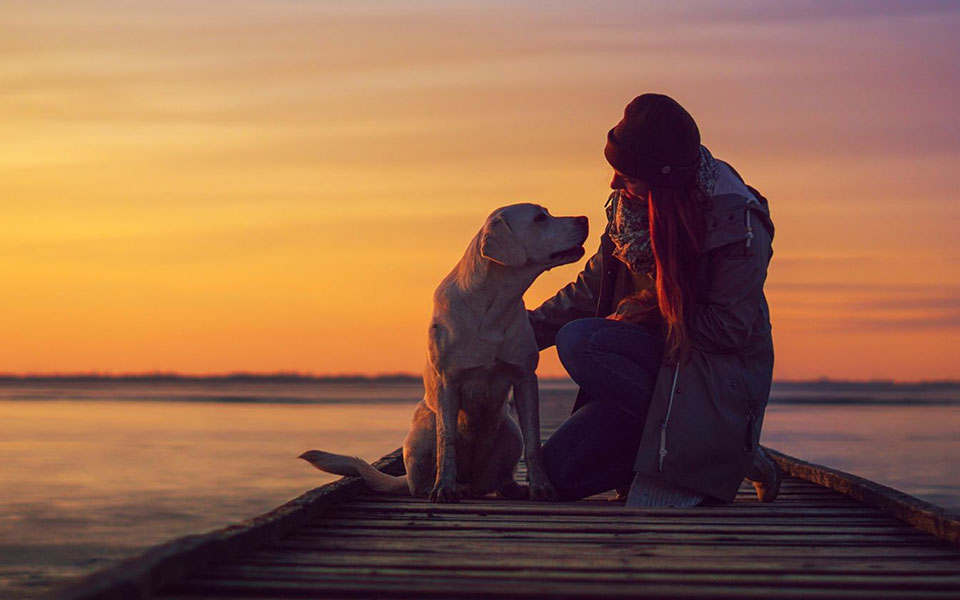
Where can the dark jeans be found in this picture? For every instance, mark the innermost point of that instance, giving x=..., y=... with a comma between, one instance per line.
x=616, y=364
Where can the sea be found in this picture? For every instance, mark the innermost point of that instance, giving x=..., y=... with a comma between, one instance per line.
x=93, y=471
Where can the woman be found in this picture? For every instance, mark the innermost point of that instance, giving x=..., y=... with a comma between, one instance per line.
x=666, y=330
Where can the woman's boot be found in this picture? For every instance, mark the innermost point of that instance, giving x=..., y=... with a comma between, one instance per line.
x=765, y=476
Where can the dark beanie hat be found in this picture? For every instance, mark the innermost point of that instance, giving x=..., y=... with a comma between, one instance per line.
x=657, y=141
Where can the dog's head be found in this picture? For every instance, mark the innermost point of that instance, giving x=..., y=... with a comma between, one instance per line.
x=526, y=235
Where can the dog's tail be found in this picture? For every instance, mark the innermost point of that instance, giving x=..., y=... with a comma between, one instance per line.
x=354, y=466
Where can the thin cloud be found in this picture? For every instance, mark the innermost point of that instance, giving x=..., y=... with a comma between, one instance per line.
x=830, y=307
x=876, y=288
x=947, y=321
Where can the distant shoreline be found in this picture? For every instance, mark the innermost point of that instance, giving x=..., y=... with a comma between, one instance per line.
x=294, y=377
x=301, y=388
x=225, y=377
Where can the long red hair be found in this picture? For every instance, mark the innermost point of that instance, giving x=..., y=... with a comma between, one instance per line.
x=677, y=228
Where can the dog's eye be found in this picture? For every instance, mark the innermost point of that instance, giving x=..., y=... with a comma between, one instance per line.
x=540, y=217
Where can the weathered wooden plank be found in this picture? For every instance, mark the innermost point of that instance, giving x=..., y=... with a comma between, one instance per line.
x=838, y=538
x=533, y=594
x=485, y=587
x=599, y=525
x=825, y=502
x=788, y=484
x=610, y=527
x=798, y=495
x=922, y=515
x=578, y=547
x=742, y=497
x=692, y=524
x=327, y=595
x=615, y=512
x=837, y=501
x=531, y=509
x=718, y=562
x=741, y=519
x=549, y=574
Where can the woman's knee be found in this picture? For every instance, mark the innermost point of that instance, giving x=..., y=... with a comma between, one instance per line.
x=573, y=338
x=574, y=333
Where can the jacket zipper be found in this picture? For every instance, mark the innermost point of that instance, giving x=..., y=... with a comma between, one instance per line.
x=748, y=443
x=666, y=418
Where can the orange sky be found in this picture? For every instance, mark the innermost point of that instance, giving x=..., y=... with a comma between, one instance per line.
x=220, y=186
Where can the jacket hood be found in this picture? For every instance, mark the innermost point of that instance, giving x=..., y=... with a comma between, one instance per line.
x=734, y=212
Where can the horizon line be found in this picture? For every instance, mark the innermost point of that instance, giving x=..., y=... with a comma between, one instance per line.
x=306, y=376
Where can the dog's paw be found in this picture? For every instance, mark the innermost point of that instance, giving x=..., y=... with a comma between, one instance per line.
x=446, y=493
x=467, y=492
x=511, y=490
x=541, y=492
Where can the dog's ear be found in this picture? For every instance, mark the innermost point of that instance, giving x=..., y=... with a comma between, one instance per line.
x=499, y=244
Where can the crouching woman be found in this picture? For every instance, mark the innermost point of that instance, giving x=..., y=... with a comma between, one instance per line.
x=666, y=330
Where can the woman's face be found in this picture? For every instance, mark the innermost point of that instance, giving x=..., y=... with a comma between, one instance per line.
x=637, y=189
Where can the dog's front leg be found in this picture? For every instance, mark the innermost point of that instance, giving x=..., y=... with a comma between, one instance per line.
x=447, y=488
x=526, y=396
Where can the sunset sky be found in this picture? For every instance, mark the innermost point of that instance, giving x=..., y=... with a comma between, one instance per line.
x=213, y=186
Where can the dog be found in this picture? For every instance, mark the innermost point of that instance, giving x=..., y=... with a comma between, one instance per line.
x=463, y=441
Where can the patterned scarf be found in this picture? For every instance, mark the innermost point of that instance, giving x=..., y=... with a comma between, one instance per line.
x=630, y=220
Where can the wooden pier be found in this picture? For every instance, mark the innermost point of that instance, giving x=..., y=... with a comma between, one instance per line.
x=828, y=535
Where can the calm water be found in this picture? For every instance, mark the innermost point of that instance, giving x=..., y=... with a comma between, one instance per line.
x=94, y=472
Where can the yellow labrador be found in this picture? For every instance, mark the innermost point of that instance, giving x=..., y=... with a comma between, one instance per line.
x=463, y=441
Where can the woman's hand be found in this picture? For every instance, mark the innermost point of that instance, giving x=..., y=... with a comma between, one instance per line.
x=641, y=307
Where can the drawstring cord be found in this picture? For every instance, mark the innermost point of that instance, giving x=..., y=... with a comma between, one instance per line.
x=747, y=220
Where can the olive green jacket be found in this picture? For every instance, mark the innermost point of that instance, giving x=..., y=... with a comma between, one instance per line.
x=704, y=420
